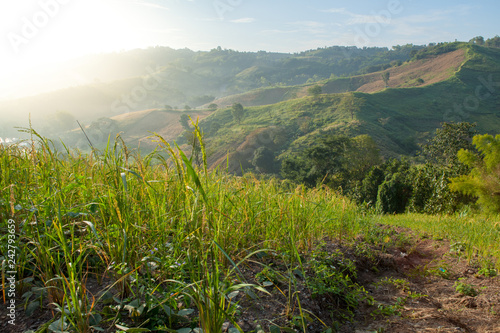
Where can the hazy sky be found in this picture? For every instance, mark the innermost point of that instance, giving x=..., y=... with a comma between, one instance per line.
x=38, y=31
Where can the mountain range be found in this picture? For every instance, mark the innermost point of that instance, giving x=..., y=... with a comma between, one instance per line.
x=398, y=97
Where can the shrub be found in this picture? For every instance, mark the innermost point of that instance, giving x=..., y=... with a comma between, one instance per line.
x=483, y=181
x=393, y=195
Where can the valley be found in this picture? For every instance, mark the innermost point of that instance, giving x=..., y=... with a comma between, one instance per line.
x=340, y=189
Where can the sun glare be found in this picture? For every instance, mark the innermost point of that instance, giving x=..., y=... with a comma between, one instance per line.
x=42, y=33
x=51, y=31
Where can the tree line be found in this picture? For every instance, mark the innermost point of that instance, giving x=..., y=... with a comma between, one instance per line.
x=460, y=170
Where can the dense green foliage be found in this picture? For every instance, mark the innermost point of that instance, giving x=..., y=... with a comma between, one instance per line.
x=483, y=181
x=337, y=161
x=264, y=160
x=354, y=167
x=315, y=90
x=443, y=148
x=237, y=111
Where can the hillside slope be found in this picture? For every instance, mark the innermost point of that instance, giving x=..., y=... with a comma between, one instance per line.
x=135, y=128
x=110, y=85
x=459, y=85
x=417, y=73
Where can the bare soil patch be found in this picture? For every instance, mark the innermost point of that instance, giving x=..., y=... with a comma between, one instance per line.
x=430, y=70
x=410, y=283
x=413, y=287
x=138, y=126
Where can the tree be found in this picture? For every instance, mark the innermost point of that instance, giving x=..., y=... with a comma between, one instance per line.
x=483, y=181
x=385, y=77
x=478, y=40
x=184, y=120
x=369, y=186
x=263, y=160
x=348, y=103
x=362, y=156
x=315, y=90
x=393, y=194
x=493, y=42
x=323, y=162
x=368, y=189
x=442, y=149
x=431, y=191
x=212, y=106
x=237, y=111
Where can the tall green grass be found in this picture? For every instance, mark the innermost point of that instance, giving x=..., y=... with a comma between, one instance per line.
x=151, y=223
x=480, y=234
x=166, y=236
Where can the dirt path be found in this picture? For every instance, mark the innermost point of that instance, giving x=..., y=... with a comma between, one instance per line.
x=433, y=271
x=405, y=283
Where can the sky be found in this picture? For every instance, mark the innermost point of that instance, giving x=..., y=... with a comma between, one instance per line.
x=34, y=32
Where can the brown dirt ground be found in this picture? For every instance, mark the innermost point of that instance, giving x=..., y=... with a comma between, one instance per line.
x=139, y=125
x=431, y=70
x=440, y=309
x=419, y=262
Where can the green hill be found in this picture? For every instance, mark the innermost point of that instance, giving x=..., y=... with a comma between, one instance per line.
x=398, y=118
x=153, y=78
x=447, y=82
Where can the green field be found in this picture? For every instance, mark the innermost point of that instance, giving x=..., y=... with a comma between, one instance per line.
x=166, y=243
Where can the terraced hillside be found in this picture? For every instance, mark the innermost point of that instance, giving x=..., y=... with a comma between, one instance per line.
x=458, y=85
x=450, y=82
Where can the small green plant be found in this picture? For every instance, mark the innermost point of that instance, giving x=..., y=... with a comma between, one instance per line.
x=267, y=277
x=401, y=284
x=389, y=310
x=415, y=295
x=488, y=269
x=333, y=278
x=362, y=249
x=488, y=272
x=464, y=288
x=458, y=248
x=438, y=268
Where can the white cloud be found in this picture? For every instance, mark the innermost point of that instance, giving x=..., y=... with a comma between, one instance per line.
x=334, y=10
x=244, y=20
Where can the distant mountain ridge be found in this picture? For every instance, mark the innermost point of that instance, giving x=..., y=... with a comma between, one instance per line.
x=108, y=85
x=459, y=82
x=442, y=83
